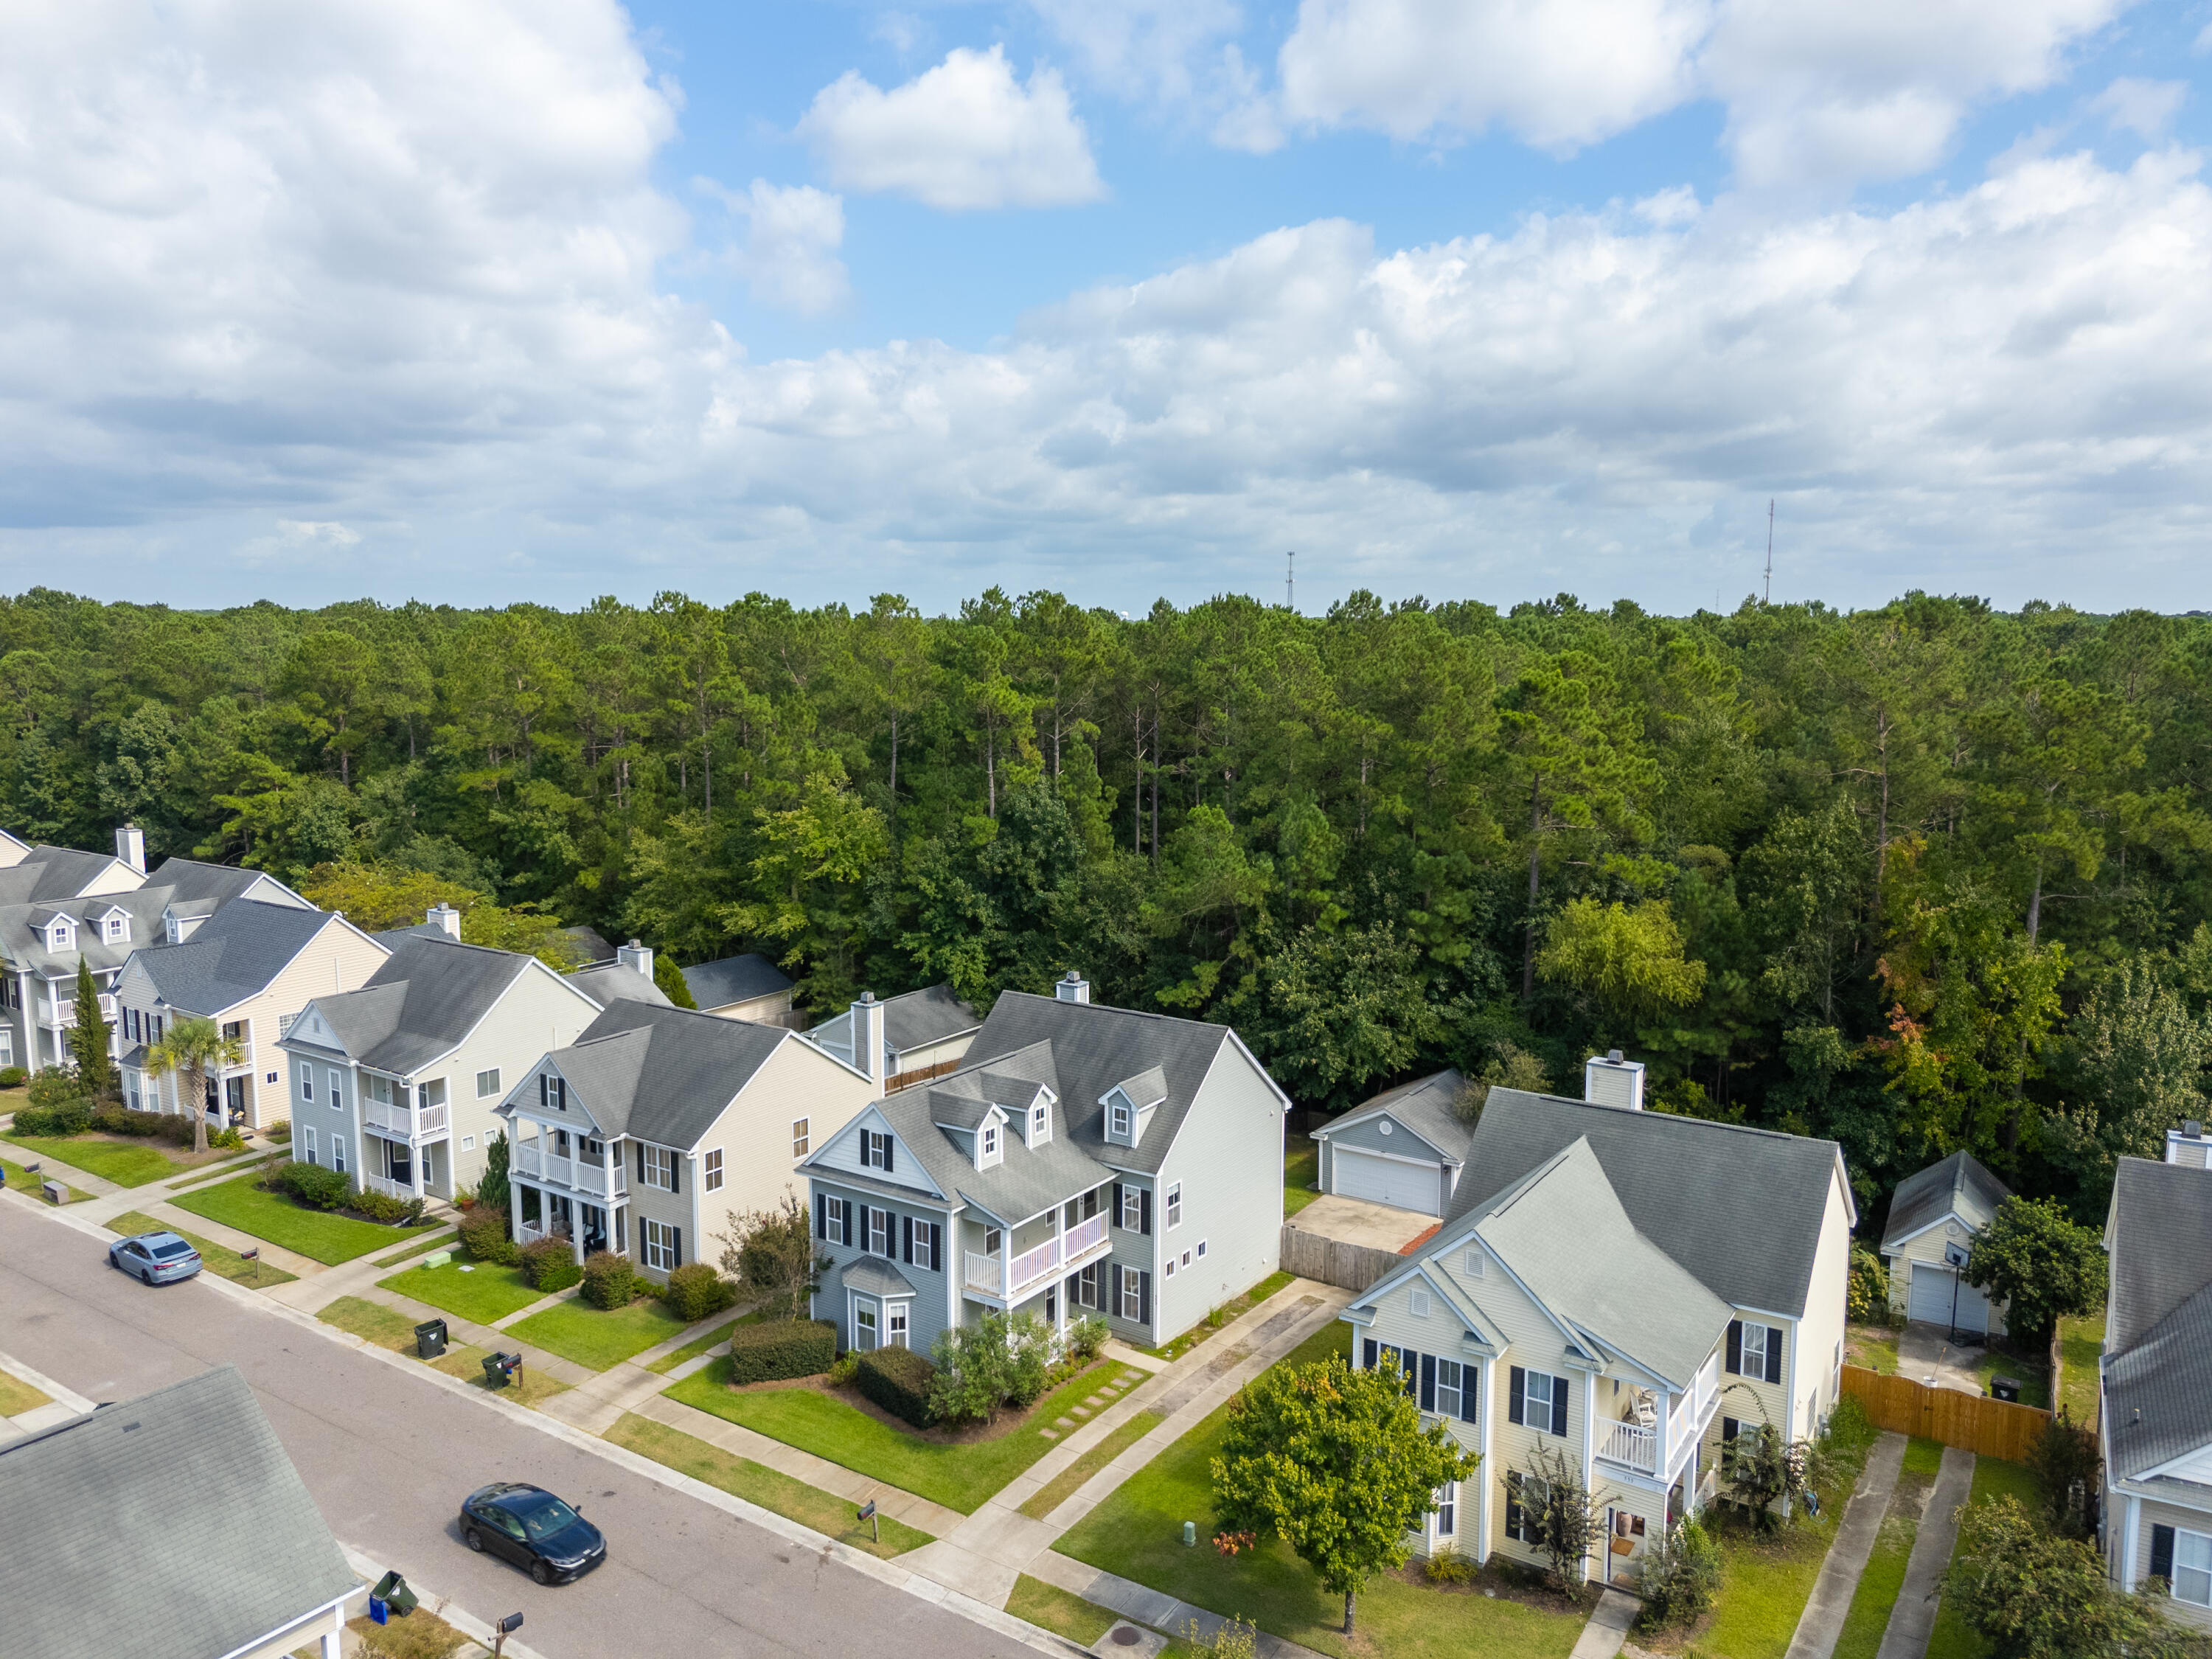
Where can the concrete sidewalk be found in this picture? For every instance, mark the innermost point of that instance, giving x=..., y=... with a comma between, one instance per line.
x=1912, y=1620
x=1822, y=1621
x=1608, y=1626
x=1134, y=1602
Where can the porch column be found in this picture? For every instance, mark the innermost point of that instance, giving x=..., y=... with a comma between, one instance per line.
x=1690, y=1483
x=1487, y=1410
x=1059, y=1263
x=414, y=1147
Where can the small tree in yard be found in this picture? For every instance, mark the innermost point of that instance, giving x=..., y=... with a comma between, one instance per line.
x=1000, y=1360
x=1559, y=1511
x=2039, y=1263
x=493, y=1189
x=2065, y=1465
x=772, y=1254
x=2031, y=1595
x=96, y=1069
x=1764, y=1472
x=1335, y=1463
x=195, y=1050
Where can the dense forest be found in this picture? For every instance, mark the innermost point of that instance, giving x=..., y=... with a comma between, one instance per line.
x=1921, y=878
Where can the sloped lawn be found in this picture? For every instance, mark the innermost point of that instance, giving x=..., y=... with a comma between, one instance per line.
x=125, y=1162
x=318, y=1235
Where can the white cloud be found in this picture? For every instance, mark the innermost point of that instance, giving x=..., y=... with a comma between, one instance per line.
x=792, y=234
x=2146, y=108
x=963, y=135
x=1146, y=50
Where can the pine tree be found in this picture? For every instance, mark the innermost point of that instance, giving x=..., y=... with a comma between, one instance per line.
x=88, y=1041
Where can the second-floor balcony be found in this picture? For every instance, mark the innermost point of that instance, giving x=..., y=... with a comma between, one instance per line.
x=993, y=1275
x=1636, y=1445
x=582, y=1174
x=411, y=1124
x=61, y=1016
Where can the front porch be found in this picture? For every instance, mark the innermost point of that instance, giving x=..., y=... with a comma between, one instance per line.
x=542, y=1212
x=1655, y=1435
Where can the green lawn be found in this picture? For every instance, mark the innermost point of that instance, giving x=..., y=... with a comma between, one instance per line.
x=1993, y=1478
x=435, y=1242
x=316, y=1234
x=1064, y=1484
x=373, y=1321
x=481, y=1291
x=1138, y=1533
x=1052, y=1608
x=1220, y=1316
x=221, y=1259
x=18, y=1396
x=19, y=1181
x=1876, y=1595
x=742, y=1477
x=2033, y=1376
x=1874, y=1346
x=960, y=1477
x=713, y=1338
x=125, y=1162
x=598, y=1337
x=2080, y=1341
x=1301, y=1170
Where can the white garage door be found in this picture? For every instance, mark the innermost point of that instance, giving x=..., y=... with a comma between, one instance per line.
x=1386, y=1181
x=1930, y=1299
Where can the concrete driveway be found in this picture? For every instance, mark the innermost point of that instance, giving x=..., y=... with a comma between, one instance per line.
x=1926, y=1354
x=1356, y=1221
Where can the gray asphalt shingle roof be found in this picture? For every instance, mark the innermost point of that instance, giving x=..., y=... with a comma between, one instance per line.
x=168, y=1526
x=1960, y=1185
x=735, y=979
x=921, y=1019
x=607, y=982
x=2158, y=1319
x=1428, y=1106
x=660, y=1073
x=232, y=954
x=51, y=872
x=874, y=1276
x=427, y=996
x=1740, y=1209
x=189, y=878
x=22, y=946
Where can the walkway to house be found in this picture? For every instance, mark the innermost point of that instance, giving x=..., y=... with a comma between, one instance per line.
x=1822, y=1621
x=1607, y=1629
x=1912, y=1620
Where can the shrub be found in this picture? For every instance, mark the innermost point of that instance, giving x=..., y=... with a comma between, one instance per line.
x=176, y=1127
x=549, y=1263
x=308, y=1183
x=1865, y=1299
x=281, y=1129
x=57, y=1085
x=227, y=1139
x=71, y=1117
x=898, y=1380
x=1681, y=1575
x=696, y=1291
x=378, y=1207
x=1449, y=1566
x=843, y=1369
x=781, y=1348
x=12, y=1077
x=1086, y=1336
x=484, y=1235
x=609, y=1281
x=2065, y=1465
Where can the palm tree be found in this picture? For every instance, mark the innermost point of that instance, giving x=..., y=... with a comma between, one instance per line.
x=195, y=1049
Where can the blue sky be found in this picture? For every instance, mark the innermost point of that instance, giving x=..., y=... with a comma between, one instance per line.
x=547, y=300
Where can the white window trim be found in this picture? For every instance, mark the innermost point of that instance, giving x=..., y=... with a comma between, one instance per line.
x=306, y=1082
x=710, y=1170
x=656, y=1242
x=898, y=1324
x=1174, y=1206
x=2205, y=1539
x=1040, y=1125
x=1744, y=1352
x=1117, y=1123
x=338, y=1091
x=802, y=1136
x=483, y=1092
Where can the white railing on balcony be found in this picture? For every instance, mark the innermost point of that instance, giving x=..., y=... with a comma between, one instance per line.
x=583, y=1175
x=433, y=1120
x=1631, y=1446
x=63, y=1015
x=983, y=1274
x=1686, y=1424
x=384, y=1116
x=398, y=1189
x=1033, y=1266
x=526, y=1159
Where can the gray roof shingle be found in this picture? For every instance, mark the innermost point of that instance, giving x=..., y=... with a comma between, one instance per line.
x=232, y=954
x=735, y=979
x=106, y=1523
x=1960, y=1185
x=874, y=1276
x=921, y=1019
x=660, y=1073
x=609, y=982
x=1429, y=1106
x=51, y=872
x=1685, y=1182
x=22, y=946
x=2158, y=1319
x=427, y=996
x=189, y=878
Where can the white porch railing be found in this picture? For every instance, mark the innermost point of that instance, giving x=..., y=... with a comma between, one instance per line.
x=398, y=1189
x=1033, y=1266
x=983, y=1272
x=1686, y=1424
x=1630, y=1445
x=62, y=1016
x=526, y=1159
x=433, y=1120
x=580, y=1174
x=392, y=1119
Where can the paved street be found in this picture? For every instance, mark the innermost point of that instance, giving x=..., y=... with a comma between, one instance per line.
x=388, y=1457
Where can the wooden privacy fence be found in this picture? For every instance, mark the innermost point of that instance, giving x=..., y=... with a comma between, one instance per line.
x=1971, y=1422
x=1333, y=1262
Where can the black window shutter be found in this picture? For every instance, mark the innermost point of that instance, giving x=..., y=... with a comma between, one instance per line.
x=891, y=1156
x=1513, y=1505
x=544, y=1096
x=848, y=1222
x=1409, y=1367
x=1728, y=1429
x=1145, y=1213
x=1428, y=1381
x=906, y=1239
x=1516, y=1402
x=640, y=1161
x=1117, y=1204
x=1144, y=1299
x=1773, y=1355
x=1468, y=1377
x=1559, y=1387
x=1367, y=1355
x=2161, y=1553
x=821, y=1207
x=1736, y=1348
x=675, y=1171
x=676, y=1247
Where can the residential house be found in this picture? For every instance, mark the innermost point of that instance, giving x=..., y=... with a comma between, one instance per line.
x=1625, y=1289
x=2155, y=1409
x=1404, y=1148
x=625, y=977
x=1082, y=1158
x=172, y=1525
x=749, y=986
x=1933, y=1216
x=398, y=1083
x=658, y=1127
x=34, y=873
x=925, y=1033
x=251, y=967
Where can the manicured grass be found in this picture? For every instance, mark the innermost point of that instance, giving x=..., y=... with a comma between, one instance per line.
x=1878, y=1587
x=373, y=1321
x=18, y=1396
x=1050, y=1608
x=21, y=1181
x=220, y=1259
x=960, y=1477
x=713, y=1338
x=1220, y=1316
x=421, y=1635
x=1138, y=1533
x=598, y=1337
x=1874, y=1346
x=1064, y=1484
x=1993, y=1478
x=316, y=1234
x=219, y=1170
x=488, y=1292
x=532, y=1387
x=1301, y=1171
x=127, y=1163
x=2080, y=1341
x=742, y=1477
x=439, y=1242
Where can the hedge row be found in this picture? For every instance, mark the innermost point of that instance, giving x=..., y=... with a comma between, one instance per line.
x=72, y=1118
x=695, y=1290
x=549, y=1263
x=781, y=1348
x=485, y=1236
x=898, y=1380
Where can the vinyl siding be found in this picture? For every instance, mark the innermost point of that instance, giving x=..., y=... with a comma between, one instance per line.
x=1401, y=1142
x=670, y=1209
x=540, y=1012
x=338, y=959
x=2155, y=1513
x=1814, y=1383
x=1229, y=1158
x=843, y=1150
x=1133, y=1252
x=927, y=1312
x=754, y=1132
x=1928, y=1246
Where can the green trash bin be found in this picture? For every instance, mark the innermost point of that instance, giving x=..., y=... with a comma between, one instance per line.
x=430, y=1340
x=391, y=1590
x=499, y=1368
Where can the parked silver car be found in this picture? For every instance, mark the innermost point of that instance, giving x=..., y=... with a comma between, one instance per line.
x=154, y=1258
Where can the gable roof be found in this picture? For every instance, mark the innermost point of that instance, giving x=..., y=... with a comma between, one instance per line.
x=660, y=1073
x=1961, y=1185
x=24, y=945
x=188, y=879
x=589, y=944
x=55, y=872
x=425, y=998
x=610, y=983
x=923, y=1018
x=1685, y=1182
x=735, y=979
x=2158, y=1317
x=1429, y=1106
x=105, y=1523
x=1026, y=1180
x=232, y=956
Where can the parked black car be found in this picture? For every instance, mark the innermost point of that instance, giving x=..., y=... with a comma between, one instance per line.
x=532, y=1529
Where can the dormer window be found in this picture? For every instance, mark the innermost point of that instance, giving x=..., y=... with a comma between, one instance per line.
x=1040, y=1124
x=876, y=1150
x=117, y=930
x=60, y=935
x=990, y=1143
x=1117, y=1121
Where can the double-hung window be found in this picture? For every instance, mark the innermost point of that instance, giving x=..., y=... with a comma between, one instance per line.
x=880, y=1224
x=487, y=1083
x=2191, y=1577
x=338, y=1091
x=864, y=1326
x=1522, y=1494
x=306, y=1082
x=990, y=1142
x=1448, y=1508
x=895, y=1333
x=1174, y=1206
x=875, y=1150
x=1040, y=1125
x=1538, y=1401
x=1447, y=1375
x=800, y=1140
x=1086, y=1287
x=659, y=1167
x=1133, y=1210
x=712, y=1169
x=1755, y=1350
x=1117, y=1121
x=1133, y=1296
x=664, y=1244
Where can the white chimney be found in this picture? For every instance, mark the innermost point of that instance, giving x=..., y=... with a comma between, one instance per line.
x=1614, y=1081
x=868, y=1037
x=447, y=918
x=130, y=846
x=2189, y=1146
x=1073, y=988
x=638, y=956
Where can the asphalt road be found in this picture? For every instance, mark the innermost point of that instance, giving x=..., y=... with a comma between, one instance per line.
x=389, y=1457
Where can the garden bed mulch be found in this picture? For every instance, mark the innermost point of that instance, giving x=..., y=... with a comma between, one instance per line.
x=1499, y=1580
x=968, y=1434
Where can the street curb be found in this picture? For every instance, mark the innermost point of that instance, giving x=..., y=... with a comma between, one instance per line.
x=884, y=1572
x=459, y=1618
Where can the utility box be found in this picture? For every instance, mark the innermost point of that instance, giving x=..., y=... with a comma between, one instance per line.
x=437, y=1258
x=430, y=1340
x=56, y=1193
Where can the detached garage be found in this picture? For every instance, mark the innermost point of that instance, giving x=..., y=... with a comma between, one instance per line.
x=1933, y=1217
x=1403, y=1148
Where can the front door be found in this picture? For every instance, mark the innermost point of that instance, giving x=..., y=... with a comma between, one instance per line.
x=233, y=1089
x=1624, y=1545
x=595, y=1228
